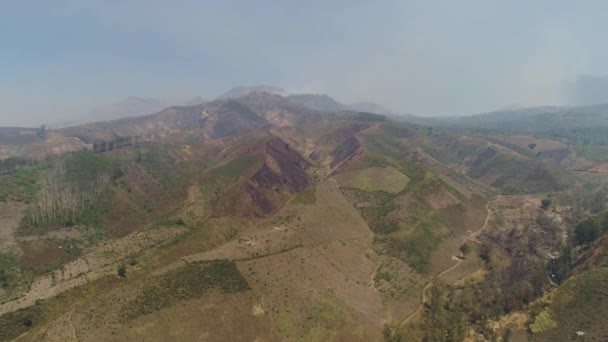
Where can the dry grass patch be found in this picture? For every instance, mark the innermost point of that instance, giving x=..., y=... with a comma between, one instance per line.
x=387, y=179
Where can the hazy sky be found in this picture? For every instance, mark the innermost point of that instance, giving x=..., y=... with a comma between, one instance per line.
x=58, y=58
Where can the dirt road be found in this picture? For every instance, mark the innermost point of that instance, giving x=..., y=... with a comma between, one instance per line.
x=453, y=267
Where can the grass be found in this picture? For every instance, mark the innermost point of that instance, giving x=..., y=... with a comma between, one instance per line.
x=330, y=316
x=306, y=197
x=22, y=185
x=190, y=281
x=375, y=213
x=410, y=235
x=577, y=305
x=543, y=322
x=598, y=153
x=218, y=180
x=162, y=165
x=416, y=248
x=12, y=279
x=235, y=167
x=387, y=179
x=330, y=311
x=44, y=311
x=86, y=166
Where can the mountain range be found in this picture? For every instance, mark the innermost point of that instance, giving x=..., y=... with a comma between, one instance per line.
x=273, y=217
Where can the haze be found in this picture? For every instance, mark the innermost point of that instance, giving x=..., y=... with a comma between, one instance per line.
x=60, y=59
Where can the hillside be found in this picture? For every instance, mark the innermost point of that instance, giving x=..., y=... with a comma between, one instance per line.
x=290, y=223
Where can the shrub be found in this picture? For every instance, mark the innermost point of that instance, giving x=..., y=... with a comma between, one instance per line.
x=132, y=261
x=27, y=320
x=587, y=231
x=545, y=203
x=465, y=249
x=122, y=270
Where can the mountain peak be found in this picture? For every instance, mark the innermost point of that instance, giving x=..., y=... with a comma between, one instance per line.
x=241, y=91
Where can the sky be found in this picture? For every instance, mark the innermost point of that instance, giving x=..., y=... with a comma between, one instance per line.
x=60, y=58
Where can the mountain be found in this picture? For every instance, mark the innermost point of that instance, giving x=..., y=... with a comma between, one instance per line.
x=197, y=100
x=322, y=103
x=370, y=107
x=129, y=107
x=326, y=103
x=260, y=218
x=237, y=92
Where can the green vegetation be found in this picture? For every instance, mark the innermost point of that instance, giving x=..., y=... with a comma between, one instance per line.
x=588, y=231
x=163, y=165
x=28, y=320
x=235, y=167
x=122, y=270
x=575, y=306
x=598, y=153
x=70, y=188
x=23, y=185
x=364, y=116
x=416, y=248
x=375, y=213
x=330, y=311
x=187, y=282
x=465, y=249
x=545, y=203
x=542, y=322
x=445, y=323
x=306, y=197
x=387, y=179
x=86, y=166
x=531, y=146
x=9, y=270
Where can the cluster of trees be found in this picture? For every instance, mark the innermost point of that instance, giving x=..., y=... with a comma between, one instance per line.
x=63, y=201
x=10, y=165
x=590, y=229
x=69, y=187
x=103, y=146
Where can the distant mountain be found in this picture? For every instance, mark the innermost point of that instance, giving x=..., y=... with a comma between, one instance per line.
x=587, y=125
x=129, y=107
x=237, y=92
x=319, y=102
x=326, y=103
x=215, y=119
x=197, y=100
x=370, y=107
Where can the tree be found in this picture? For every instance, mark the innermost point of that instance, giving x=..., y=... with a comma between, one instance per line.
x=587, y=231
x=41, y=131
x=122, y=270
x=27, y=320
x=465, y=249
x=545, y=203
x=531, y=146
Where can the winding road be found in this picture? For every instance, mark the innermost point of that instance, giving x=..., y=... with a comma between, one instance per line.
x=453, y=267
